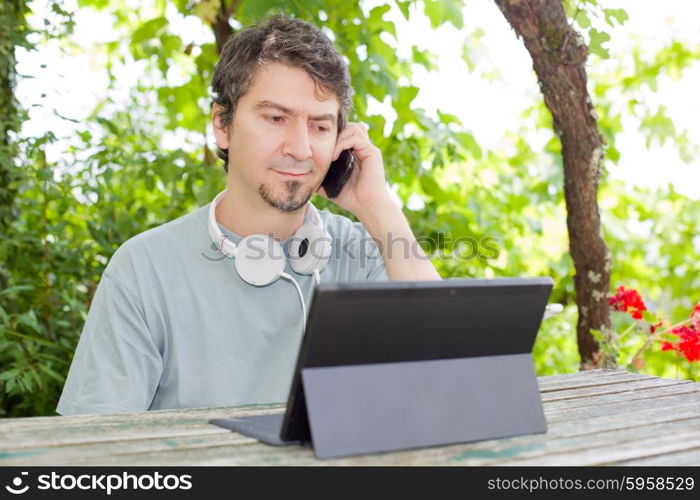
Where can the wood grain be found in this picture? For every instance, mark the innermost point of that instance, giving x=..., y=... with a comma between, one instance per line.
x=599, y=417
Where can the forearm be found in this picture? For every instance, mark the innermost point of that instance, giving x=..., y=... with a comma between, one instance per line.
x=403, y=257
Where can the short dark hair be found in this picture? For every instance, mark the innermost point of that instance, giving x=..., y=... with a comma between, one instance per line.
x=279, y=39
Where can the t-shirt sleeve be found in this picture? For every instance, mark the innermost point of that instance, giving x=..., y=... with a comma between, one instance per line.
x=117, y=366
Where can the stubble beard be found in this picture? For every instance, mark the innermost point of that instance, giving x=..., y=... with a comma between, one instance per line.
x=293, y=197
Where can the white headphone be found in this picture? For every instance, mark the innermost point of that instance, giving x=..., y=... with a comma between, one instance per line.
x=260, y=259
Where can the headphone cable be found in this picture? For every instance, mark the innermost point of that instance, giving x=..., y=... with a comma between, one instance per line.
x=301, y=296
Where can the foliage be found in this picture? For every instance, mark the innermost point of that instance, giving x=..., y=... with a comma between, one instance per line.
x=13, y=34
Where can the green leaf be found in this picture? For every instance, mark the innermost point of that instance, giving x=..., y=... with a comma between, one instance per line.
x=149, y=29
x=52, y=373
x=403, y=7
x=598, y=38
x=618, y=15
x=432, y=188
x=5, y=317
x=649, y=317
x=467, y=56
x=469, y=143
x=597, y=335
x=658, y=126
x=583, y=20
x=29, y=319
x=423, y=57
x=95, y=4
x=407, y=94
x=376, y=15
x=448, y=118
x=17, y=288
x=442, y=11
x=613, y=154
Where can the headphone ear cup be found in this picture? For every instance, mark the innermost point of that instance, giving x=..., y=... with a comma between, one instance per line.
x=259, y=260
x=309, y=249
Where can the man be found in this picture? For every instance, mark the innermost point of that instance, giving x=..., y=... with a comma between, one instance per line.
x=173, y=324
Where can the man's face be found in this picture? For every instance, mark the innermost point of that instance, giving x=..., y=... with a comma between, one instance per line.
x=282, y=137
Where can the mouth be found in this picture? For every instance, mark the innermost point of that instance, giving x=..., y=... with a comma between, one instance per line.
x=292, y=175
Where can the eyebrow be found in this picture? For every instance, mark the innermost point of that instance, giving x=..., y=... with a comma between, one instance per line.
x=290, y=111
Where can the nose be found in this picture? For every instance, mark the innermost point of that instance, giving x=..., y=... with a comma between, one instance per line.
x=297, y=144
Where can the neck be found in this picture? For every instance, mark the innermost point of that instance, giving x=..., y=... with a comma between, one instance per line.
x=246, y=214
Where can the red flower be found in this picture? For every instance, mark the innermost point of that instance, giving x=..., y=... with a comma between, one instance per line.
x=695, y=317
x=667, y=346
x=628, y=301
x=688, y=344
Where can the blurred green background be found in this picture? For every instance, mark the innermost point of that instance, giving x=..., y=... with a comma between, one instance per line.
x=144, y=156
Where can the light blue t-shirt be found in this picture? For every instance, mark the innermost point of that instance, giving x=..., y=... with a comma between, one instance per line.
x=172, y=325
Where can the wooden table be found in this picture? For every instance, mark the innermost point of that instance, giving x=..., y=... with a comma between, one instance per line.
x=594, y=418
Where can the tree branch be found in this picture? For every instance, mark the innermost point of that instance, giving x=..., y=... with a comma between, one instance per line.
x=221, y=26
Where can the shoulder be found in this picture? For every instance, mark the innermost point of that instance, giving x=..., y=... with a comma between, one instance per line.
x=158, y=245
x=339, y=226
x=349, y=238
x=355, y=252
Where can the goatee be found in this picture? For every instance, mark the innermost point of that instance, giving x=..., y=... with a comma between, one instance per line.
x=293, y=197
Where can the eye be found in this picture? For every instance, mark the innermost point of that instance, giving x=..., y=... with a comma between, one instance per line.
x=275, y=118
x=321, y=128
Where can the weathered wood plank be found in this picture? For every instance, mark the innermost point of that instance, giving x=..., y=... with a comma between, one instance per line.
x=649, y=392
x=575, y=375
x=249, y=454
x=53, y=454
x=592, y=382
x=259, y=454
x=575, y=382
x=108, y=438
x=606, y=455
x=492, y=455
x=679, y=458
x=626, y=386
x=10, y=425
x=588, y=413
x=580, y=376
x=500, y=452
x=127, y=427
x=660, y=404
x=173, y=425
x=42, y=429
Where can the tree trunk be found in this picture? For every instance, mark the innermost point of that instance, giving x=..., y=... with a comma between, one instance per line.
x=558, y=55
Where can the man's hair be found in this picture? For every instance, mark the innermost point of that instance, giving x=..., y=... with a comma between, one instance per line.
x=278, y=39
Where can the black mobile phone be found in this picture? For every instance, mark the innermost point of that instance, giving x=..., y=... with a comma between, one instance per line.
x=338, y=173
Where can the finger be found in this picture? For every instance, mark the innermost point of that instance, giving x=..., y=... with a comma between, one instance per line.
x=349, y=142
x=357, y=129
x=348, y=131
x=361, y=147
x=360, y=129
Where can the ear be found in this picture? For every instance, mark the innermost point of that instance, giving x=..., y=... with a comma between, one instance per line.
x=220, y=132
